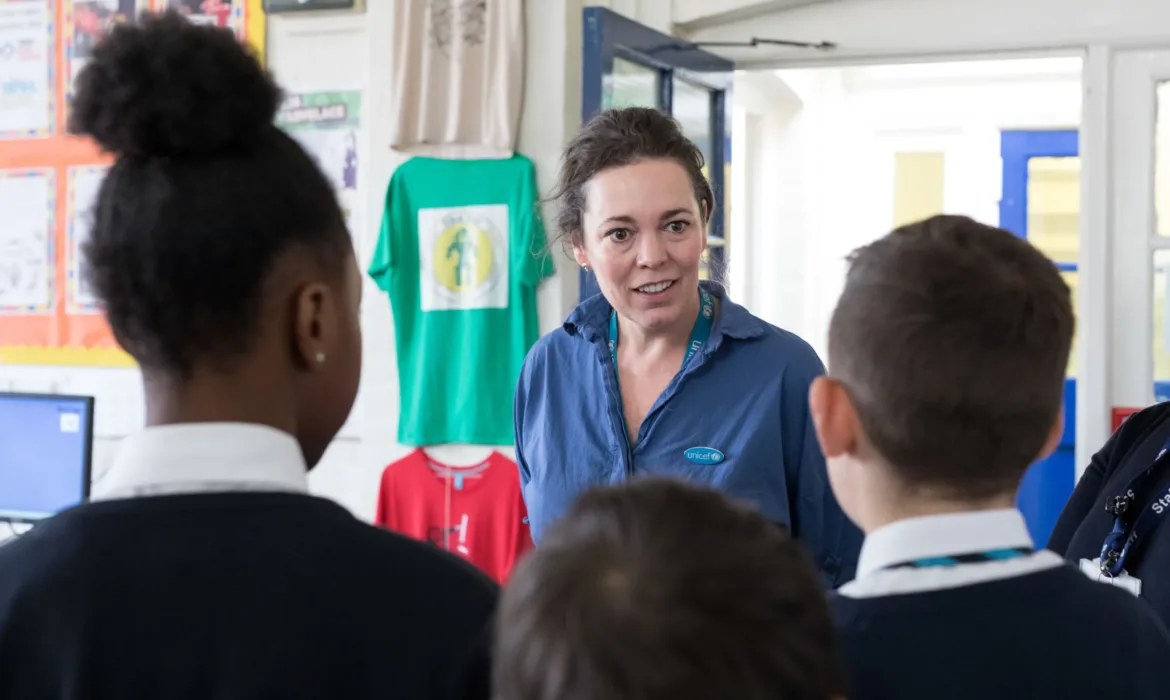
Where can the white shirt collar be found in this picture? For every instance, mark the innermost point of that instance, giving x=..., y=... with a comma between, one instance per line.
x=204, y=458
x=942, y=535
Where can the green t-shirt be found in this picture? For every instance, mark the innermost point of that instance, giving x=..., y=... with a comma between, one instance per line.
x=461, y=252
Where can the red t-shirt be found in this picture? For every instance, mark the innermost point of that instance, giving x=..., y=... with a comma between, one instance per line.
x=475, y=511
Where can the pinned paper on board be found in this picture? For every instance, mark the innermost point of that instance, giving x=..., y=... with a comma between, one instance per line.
x=26, y=68
x=48, y=314
x=27, y=198
x=327, y=124
x=87, y=23
x=216, y=13
x=84, y=183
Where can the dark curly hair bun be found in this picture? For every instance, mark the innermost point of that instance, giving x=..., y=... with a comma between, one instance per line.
x=165, y=87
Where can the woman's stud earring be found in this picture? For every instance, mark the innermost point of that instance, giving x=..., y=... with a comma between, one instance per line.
x=320, y=358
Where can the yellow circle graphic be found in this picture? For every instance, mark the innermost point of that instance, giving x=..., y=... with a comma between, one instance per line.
x=463, y=257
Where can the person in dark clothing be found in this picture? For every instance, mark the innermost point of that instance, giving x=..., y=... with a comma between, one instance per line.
x=202, y=569
x=1132, y=460
x=947, y=355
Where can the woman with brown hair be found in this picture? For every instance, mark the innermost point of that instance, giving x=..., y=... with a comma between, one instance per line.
x=662, y=374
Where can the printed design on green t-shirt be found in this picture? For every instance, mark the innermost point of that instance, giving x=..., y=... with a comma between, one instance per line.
x=463, y=257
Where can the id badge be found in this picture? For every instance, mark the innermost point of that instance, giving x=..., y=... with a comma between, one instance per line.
x=1092, y=569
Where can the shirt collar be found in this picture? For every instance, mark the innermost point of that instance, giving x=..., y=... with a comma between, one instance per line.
x=591, y=317
x=942, y=535
x=204, y=458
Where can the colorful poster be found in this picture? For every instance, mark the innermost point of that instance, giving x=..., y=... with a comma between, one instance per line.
x=27, y=198
x=47, y=317
x=87, y=23
x=26, y=68
x=327, y=125
x=255, y=27
x=276, y=6
x=220, y=13
x=84, y=183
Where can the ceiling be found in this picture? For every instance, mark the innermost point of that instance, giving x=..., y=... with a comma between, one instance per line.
x=692, y=15
x=740, y=21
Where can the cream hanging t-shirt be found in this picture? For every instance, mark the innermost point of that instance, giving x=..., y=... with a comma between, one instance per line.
x=458, y=76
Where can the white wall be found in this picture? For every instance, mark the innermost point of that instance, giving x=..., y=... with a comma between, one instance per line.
x=824, y=181
x=695, y=14
x=770, y=187
x=658, y=14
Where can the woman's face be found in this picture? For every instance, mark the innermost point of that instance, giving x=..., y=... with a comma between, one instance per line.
x=643, y=233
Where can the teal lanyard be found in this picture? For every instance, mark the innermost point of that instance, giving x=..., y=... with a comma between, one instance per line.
x=699, y=334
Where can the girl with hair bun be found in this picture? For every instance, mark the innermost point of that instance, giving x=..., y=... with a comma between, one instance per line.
x=202, y=568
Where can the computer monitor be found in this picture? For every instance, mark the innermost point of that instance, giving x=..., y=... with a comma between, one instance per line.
x=46, y=450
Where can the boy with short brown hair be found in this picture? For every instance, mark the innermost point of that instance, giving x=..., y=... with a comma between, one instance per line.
x=947, y=357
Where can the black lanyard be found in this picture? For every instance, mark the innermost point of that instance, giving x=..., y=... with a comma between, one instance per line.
x=965, y=558
x=1130, y=525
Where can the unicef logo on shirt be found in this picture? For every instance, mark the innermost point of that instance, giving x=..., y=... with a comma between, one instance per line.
x=463, y=255
x=703, y=455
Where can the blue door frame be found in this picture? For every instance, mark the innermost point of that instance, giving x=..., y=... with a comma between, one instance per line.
x=1048, y=483
x=608, y=35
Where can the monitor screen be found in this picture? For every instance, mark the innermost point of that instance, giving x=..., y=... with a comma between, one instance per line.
x=45, y=451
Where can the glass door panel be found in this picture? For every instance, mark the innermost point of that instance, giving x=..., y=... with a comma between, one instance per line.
x=1041, y=201
x=692, y=106
x=1161, y=325
x=1054, y=207
x=1162, y=158
x=632, y=85
x=1054, y=210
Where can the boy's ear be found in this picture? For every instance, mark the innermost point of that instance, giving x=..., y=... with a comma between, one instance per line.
x=1055, y=433
x=833, y=416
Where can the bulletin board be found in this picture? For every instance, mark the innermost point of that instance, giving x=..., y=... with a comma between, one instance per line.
x=48, y=179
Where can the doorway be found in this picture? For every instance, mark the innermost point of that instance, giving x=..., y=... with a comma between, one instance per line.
x=848, y=153
x=828, y=156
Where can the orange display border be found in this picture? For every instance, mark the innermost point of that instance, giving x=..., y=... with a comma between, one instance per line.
x=69, y=336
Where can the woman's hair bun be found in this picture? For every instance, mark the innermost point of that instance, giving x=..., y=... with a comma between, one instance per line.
x=166, y=87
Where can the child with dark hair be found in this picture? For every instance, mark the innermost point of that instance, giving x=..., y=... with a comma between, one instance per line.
x=658, y=590
x=947, y=356
x=202, y=568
